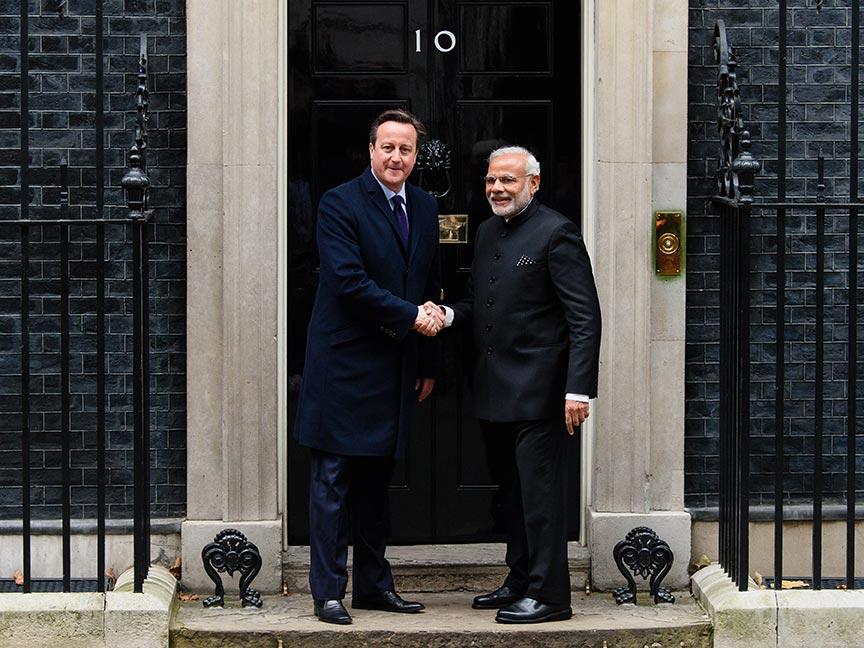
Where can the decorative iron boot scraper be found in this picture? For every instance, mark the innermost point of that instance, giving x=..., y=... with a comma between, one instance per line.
x=646, y=555
x=230, y=551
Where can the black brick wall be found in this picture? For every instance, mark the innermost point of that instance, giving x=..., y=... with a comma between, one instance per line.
x=818, y=111
x=62, y=121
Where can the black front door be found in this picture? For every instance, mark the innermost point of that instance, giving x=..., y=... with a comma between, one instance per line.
x=480, y=74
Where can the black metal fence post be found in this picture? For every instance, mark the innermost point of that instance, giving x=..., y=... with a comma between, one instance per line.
x=24, y=116
x=851, y=389
x=136, y=186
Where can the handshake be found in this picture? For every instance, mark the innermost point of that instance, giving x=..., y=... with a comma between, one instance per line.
x=430, y=319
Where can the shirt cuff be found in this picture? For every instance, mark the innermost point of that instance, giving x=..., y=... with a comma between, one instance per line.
x=448, y=316
x=582, y=398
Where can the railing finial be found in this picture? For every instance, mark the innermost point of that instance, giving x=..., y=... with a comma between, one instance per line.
x=136, y=182
x=744, y=168
x=736, y=166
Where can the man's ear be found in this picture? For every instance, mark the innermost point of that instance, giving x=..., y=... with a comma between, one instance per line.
x=535, y=183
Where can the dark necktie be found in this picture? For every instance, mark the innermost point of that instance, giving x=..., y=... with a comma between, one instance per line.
x=401, y=219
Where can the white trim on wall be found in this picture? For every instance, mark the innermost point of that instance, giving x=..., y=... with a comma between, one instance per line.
x=282, y=269
x=588, y=231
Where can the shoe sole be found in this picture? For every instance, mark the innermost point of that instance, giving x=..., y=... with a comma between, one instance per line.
x=334, y=621
x=363, y=606
x=497, y=606
x=563, y=615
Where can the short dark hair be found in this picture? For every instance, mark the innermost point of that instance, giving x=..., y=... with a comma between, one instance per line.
x=397, y=115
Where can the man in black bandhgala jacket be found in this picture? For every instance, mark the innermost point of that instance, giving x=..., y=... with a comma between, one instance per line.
x=533, y=307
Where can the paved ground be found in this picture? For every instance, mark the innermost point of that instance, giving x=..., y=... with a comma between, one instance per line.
x=447, y=621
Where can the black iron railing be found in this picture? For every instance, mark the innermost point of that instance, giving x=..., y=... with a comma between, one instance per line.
x=135, y=185
x=736, y=207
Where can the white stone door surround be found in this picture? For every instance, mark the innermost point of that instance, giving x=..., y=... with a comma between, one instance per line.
x=638, y=165
x=635, y=120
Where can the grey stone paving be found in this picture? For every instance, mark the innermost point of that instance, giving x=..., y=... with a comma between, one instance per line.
x=447, y=621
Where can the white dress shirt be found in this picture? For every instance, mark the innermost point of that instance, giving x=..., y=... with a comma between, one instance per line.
x=389, y=193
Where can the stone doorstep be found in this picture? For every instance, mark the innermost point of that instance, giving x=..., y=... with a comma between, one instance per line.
x=448, y=621
x=475, y=567
x=760, y=618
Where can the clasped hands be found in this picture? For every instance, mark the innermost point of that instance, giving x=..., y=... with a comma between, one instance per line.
x=430, y=319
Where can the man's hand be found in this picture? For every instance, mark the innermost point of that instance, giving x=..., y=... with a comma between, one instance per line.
x=429, y=320
x=425, y=387
x=575, y=414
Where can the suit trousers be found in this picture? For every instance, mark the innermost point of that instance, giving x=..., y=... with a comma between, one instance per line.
x=348, y=500
x=532, y=470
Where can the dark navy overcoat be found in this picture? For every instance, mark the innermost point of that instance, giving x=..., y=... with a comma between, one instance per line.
x=362, y=358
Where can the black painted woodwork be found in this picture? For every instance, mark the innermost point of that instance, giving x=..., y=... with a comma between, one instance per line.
x=513, y=77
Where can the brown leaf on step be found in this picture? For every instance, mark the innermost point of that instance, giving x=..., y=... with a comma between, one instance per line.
x=110, y=579
x=187, y=596
x=18, y=577
x=176, y=569
x=795, y=584
x=701, y=562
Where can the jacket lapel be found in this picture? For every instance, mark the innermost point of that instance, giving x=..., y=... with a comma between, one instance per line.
x=373, y=189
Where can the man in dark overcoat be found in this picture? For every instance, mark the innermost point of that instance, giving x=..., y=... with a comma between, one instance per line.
x=366, y=365
x=533, y=307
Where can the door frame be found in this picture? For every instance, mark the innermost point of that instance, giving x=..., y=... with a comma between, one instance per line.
x=588, y=234
x=282, y=276
x=589, y=215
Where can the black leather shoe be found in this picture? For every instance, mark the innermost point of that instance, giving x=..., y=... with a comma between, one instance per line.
x=332, y=611
x=529, y=610
x=387, y=602
x=502, y=597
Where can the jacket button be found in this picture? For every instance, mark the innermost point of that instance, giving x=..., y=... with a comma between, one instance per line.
x=491, y=279
x=490, y=302
x=503, y=234
x=497, y=255
x=490, y=351
x=488, y=327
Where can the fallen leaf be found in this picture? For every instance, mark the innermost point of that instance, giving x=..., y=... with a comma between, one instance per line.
x=795, y=584
x=111, y=579
x=187, y=596
x=176, y=569
x=19, y=577
x=700, y=563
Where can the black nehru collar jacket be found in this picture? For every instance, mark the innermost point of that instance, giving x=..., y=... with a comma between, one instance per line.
x=533, y=308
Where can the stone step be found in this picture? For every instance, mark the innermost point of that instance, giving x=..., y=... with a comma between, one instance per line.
x=439, y=568
x=448, y=621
